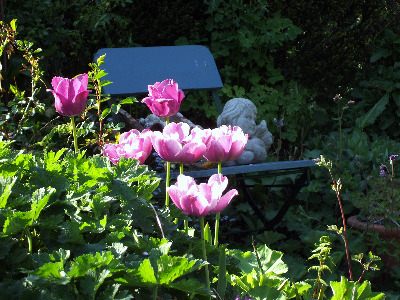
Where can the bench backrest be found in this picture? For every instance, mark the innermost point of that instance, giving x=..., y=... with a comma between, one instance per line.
x=131, y=70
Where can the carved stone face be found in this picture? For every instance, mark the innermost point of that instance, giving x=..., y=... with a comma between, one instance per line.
x=246, y=121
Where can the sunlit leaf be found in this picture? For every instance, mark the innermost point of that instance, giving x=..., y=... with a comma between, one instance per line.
x=6, y=185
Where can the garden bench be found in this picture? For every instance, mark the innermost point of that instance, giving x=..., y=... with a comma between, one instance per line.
x=131, y=70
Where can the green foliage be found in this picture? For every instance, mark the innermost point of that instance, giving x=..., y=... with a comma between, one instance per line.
x=70, y=220
x=71, y=32
x=100, y=134
x=260, y=275
x=333, y=53
x=380, y=93
x=243, y=36
x=361, y=157
x=20, y=114
x=370, y=261
x=353, y=290
x=73, y=226
x=244, y=39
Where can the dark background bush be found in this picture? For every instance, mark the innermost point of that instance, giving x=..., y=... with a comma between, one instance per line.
x=314, y=50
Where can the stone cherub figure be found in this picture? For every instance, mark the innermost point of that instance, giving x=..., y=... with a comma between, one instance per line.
x=242, y=112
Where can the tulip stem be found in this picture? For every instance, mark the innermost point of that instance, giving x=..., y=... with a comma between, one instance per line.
x=185, y=222
x=74, y=134
x=29, y=238
x=217, y=216
x=155, y=290
x=204, y=251
x=167, y=177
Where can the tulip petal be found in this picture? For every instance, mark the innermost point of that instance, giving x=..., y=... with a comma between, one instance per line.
x=215, y=152
x=70, y=94
x=190, y=153
x=169, y=149
x=114, y=152
x=218, y=184
x=164, y=98
x=195, y=205
x=224, y=201
x=178, y=131
x=175, y=195
x=80, y=103
x=128, y=136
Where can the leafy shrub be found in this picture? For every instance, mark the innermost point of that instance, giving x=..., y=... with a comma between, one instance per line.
x=76, y=226
x=380, y=94
x=70, y=32
x=244, y=38
x=73, y=226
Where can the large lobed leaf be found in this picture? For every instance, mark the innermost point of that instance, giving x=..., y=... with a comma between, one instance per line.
x=346, y=289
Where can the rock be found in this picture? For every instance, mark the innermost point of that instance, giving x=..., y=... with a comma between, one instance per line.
x=154, y=122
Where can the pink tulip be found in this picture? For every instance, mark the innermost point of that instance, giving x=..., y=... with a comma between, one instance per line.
x=205, y=198
x=226, y=144
x=176, y=143
x=114, y=152
x=70, y=94
x=164, y=98
x=132, y=144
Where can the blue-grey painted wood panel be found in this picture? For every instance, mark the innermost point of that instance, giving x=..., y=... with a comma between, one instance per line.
x=132, y=69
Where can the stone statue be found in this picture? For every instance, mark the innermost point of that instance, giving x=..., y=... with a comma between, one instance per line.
x=242, y=112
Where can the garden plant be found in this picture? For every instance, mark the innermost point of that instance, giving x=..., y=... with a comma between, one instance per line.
x=85, y=215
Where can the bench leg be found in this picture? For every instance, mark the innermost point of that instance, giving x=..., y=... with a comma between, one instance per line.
x=269, y=225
